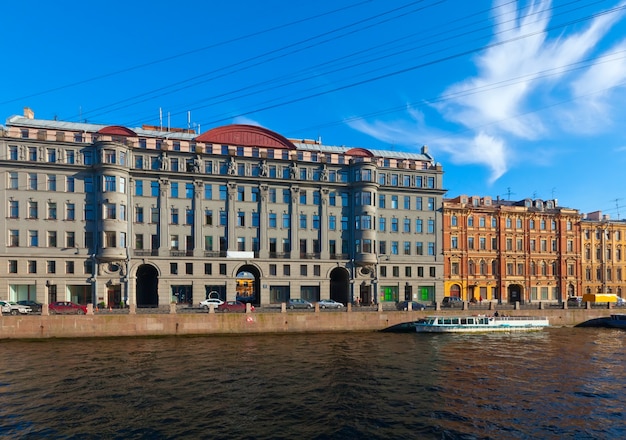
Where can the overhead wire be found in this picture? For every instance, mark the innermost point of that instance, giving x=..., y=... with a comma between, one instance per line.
x=411, y=68
x=257, y=60
x=182, y=54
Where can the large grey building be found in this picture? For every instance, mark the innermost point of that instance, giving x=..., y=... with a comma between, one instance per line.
x=153, y=215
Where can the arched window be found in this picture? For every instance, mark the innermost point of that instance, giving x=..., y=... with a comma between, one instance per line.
x=470, y=221
x=470, y=267
x=483, y=267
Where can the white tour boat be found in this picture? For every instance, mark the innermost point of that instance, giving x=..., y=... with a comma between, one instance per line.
x=480, y=324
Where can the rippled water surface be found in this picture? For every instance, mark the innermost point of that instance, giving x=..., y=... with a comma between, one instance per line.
x=559, y=383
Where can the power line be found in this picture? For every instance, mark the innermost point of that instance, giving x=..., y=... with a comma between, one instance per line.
x=183, y=54
x=409, y=69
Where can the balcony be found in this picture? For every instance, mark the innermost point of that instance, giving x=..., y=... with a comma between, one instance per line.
x=215, y=254
x=280, y=254
x=310, y=255
x=145, y=252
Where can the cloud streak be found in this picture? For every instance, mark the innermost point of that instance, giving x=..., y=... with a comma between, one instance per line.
x=525, y=71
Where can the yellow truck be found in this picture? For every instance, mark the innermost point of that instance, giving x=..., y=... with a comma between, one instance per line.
x=600, y=297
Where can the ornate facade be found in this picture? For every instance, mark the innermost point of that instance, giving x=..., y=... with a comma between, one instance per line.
x=150, y=216
x=496, y=250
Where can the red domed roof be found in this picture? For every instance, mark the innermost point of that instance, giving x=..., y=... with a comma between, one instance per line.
x=245, y=136
x=117, y=130
x=359, y=152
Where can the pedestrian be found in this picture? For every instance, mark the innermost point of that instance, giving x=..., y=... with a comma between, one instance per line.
x=496, y=314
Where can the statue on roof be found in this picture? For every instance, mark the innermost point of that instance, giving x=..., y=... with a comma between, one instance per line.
x=232, y=167
x=263, y=168
x=163, y=162
x=324, y=174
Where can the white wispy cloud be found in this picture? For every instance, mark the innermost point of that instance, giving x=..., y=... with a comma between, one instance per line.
x=525, y=69
x=246, y=121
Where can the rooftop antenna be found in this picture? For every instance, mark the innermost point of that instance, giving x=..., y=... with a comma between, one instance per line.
x=160, y=119
x=617, y=207
x=509, y=193
x=553, y=191
x=188, y=120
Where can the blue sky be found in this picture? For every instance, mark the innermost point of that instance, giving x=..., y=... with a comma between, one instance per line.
x=515, y=99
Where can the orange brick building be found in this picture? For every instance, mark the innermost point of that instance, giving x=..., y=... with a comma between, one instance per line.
x=510, y=251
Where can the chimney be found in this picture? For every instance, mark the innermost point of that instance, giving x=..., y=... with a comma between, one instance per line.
x=28, y=113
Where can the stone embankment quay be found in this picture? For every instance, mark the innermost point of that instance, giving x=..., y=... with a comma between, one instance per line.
x=175, y=322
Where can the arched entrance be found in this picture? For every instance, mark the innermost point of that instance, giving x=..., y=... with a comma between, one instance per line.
x=147, y=286
x=515, y=293
x=248, y=283
x=455, y=290
x=340, y=285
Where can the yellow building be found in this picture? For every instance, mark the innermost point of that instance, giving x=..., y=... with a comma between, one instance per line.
x=603, y=242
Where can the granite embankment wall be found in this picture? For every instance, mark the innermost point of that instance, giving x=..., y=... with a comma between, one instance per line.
x=128, y=325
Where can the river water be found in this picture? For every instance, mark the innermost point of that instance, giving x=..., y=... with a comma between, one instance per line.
x=558, y=383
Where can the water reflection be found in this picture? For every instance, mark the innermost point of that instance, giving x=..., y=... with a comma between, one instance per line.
x=552, y=384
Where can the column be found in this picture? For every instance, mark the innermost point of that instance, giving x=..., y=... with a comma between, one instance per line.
x=198, y=239
x=163, y=227
x=263, y=213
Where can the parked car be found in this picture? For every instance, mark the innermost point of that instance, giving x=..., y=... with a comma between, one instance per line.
x=233, y=306
x=66, y=308
x=452, y=301
x=206, y=304
x=297, y=303
x=574, y=301
x=34, y=305
x=11, y=308
x=329, y=304
x=404, y=305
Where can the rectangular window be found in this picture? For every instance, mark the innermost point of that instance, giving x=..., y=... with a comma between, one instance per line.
x=88, y=182
x=14, y=238
x=32, y=210
x=110, y=239
x=109, y=183
x=32, y=181
x=70, y=239
x=14, y=209
x=431, y=249
x=52, y=182
x=13, y=180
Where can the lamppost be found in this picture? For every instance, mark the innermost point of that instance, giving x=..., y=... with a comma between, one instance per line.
x=352, y=281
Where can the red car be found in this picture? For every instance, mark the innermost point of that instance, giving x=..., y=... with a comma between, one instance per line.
x=66, y=308
x=233, y=306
